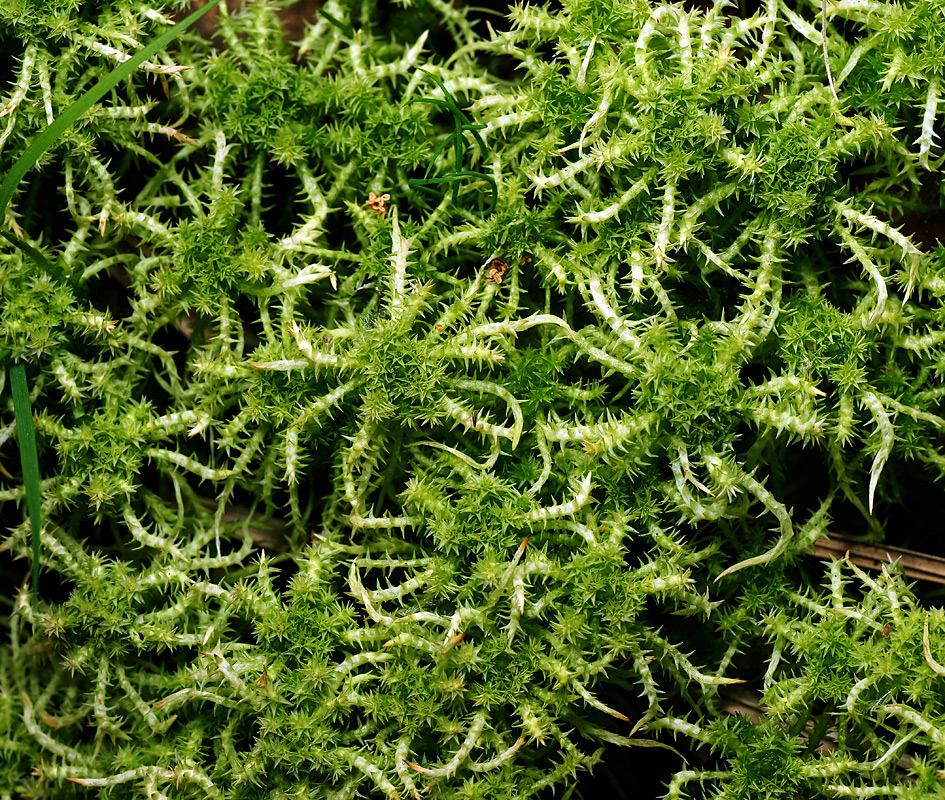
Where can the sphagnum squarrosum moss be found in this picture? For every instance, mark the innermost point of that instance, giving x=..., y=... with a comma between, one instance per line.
x=507, y=483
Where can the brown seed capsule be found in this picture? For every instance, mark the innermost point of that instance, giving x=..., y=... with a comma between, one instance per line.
x=378, y=203
x=497, y=270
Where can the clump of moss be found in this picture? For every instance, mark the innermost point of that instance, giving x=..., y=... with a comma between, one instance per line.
x=390, y=403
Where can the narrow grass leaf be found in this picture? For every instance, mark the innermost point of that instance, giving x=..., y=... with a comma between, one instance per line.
x=26, y=437
x=68, y=117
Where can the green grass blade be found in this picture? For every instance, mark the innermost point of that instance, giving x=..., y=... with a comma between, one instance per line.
x=68, y=117
x=344, y=27
x=37, y=255
x=29, y=459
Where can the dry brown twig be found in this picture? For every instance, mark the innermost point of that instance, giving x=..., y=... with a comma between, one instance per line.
x=919, y=566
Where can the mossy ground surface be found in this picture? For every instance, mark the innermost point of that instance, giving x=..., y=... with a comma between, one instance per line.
x=440, y=403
